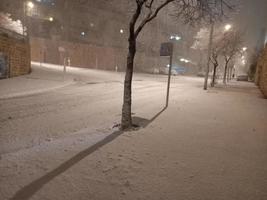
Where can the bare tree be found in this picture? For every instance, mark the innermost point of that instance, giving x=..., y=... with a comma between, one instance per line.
x=147, y=10
x=202, y=43
x=231, y=47
x=214, y=60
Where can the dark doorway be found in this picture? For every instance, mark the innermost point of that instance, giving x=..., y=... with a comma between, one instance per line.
x=3, y=66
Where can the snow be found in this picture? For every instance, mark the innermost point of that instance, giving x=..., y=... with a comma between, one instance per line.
x=60, y=144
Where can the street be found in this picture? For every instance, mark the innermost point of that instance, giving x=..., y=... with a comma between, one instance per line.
x=63, y=143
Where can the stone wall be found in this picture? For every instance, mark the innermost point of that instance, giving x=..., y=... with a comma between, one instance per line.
x=17, y=53
x=261, y=73
x=91, y=56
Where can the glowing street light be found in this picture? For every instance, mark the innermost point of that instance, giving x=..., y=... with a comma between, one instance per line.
x=244, y=48
x=51, y=19
x=184, y=60
x=30, y=5
x=121, y=31
x=227, y=27
x=175, y=37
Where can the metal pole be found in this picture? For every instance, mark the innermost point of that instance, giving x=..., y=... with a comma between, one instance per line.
x=64, y=68
x=169, y=81
x=209, y=52
x=24, y=18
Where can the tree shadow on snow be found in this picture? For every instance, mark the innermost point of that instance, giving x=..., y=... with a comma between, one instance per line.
x=140, y=122
x=29, y=190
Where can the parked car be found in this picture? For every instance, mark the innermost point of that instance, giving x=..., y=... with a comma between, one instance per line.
x=242, y=78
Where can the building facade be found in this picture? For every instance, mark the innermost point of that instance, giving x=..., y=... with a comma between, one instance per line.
x=261, y=73
x=14, y=54
x=94, y=34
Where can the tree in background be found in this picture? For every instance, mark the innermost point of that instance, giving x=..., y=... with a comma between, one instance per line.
x=215, y=52
x=231, y=46
x=201, y=43
x=145, y=11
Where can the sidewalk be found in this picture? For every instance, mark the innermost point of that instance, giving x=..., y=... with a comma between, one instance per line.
x=42, y=79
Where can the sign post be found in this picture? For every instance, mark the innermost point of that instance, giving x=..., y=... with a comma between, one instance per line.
x=166, y=49
x=62, y=51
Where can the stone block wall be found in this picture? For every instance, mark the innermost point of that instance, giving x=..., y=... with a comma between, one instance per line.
x=17, y=52
x=261, y=73
x=90, y=56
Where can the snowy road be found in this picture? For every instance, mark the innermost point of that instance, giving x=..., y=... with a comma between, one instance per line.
x=208, y=145
x=90, y=103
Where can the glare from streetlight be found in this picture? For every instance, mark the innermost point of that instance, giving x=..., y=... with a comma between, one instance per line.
x=30, y=5
x=175, y=37
x=244, y=48
x=51, y=19
x=227, y=27
x=121, y=31
x=184, y=60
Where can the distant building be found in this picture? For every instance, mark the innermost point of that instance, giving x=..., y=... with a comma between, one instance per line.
x=93, y=34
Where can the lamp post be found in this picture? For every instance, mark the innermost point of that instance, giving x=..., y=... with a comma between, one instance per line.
x=209, y=52
x=27, y=5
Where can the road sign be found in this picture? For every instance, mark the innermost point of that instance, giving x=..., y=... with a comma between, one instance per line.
x=166, y=49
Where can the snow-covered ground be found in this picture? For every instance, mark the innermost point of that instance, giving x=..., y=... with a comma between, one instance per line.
x=60, y=144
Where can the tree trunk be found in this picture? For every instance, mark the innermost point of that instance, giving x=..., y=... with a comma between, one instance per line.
x=231, y=73
x=214, y=76
x=126, y=120
x=228, y=74
x=225, y=72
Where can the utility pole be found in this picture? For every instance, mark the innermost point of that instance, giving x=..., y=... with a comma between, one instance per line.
x=209, y=52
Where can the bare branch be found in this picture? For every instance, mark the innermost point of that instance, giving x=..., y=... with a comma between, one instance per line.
x=151, y=15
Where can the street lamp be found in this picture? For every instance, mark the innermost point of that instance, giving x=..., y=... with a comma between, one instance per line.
x=244, y=48
x=175, y=37
x=27, y=5
x=30, y=5
x=51, y=19
x=227, y=27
